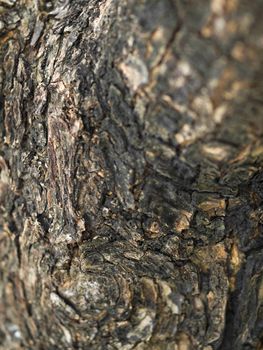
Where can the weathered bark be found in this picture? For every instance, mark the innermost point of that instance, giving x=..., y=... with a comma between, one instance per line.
x=131, y=174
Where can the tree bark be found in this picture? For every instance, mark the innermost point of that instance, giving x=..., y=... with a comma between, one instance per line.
x=131, y=185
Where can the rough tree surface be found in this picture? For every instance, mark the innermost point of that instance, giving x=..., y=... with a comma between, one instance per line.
x=131, y=174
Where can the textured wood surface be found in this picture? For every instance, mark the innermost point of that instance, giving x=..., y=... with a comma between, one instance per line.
x=131, y=182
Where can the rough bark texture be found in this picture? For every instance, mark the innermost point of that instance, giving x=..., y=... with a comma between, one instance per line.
x=131, y=174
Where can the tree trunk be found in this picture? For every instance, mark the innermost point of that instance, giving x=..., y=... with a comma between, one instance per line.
x=131, y=174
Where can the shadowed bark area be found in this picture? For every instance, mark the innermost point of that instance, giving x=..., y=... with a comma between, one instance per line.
x=131, y=184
